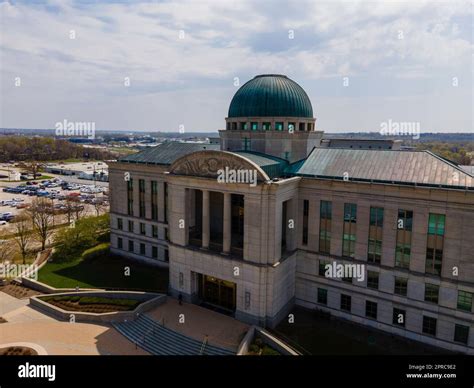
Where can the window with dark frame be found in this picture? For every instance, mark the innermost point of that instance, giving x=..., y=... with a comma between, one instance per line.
x=403, y=245
x=305, y=221
x=429, y=325
x=374, y=251
x=325, y=217
x=373, y=280
x=346, y=302
x=461, y=334
x=464, y=300
x=431, y=293
x=154, y=200
x=130, y=197
x=322, y=296
x=371, y=309
x=435, y=243
x=141, y=197
x=401, y=286
x=350, y=230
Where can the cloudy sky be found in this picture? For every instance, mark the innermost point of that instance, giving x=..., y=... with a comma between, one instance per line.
x=361, y=62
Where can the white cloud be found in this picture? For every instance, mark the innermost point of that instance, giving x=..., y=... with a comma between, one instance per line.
x=64, y=77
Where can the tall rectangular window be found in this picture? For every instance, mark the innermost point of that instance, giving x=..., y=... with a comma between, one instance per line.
x=325, y=216
x=154, y=252
x=461, y=334
x=350, y=228
x=131, y=226
x=371, y=309
x=142, y=249
x=429, y=325
x=431, y=293
x=345, y=302
x=373, y=280
x=154, y=231
x=130, y=246
x=119, y=243
x=434, y=247
x=130, y=197
x=403, y=247
x=305, y=221
x=154, y=200
x=375, y=235
x=119, y=224
x=142, y=228
x=141, y=197
x=322, y=296
x=167, y=255
x=465, y=300
x=166, y=201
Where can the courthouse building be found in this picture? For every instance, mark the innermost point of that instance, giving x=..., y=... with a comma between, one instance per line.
x=258, y=241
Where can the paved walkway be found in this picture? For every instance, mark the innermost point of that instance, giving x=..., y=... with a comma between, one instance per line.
x=221, y=329
x=27, y=324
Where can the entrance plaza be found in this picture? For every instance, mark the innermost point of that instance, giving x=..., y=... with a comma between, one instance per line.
x=29, y=325
x=199, y=322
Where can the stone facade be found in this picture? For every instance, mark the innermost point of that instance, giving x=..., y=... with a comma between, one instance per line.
x=269, y=280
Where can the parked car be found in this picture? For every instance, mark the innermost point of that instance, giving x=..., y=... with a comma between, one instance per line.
x=3, y=222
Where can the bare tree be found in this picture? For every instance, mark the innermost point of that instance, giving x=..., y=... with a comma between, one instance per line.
x=7, y=250
x=100, y=205
x=42, y=217
x=23, y=235
x=32, y=168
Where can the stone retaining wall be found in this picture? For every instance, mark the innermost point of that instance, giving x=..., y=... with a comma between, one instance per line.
x=151, y=300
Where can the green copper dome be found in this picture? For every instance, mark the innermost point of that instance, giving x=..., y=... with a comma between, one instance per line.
x=271, y=95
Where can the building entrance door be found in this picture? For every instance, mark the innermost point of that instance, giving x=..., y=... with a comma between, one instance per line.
x=217, y=292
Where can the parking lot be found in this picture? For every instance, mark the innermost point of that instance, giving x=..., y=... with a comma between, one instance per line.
x=17, y=196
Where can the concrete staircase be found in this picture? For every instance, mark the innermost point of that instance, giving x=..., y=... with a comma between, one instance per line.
x=159, y=340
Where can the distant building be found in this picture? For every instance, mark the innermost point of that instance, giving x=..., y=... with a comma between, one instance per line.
x=86, y=170
x=398, y=223
x=364, y=144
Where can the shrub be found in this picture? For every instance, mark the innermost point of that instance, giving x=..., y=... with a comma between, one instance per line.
x=70, y=242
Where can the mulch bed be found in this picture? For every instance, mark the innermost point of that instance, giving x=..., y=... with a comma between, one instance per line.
x=17, y=351
x=98, y=308
x=18, y=291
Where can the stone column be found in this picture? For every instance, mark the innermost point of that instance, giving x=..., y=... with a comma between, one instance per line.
x=227, y=223
x=205, y=219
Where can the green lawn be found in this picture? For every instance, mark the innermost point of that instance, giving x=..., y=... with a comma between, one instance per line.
x=106, y=271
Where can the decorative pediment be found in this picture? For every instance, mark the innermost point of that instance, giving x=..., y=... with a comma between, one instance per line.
x=209, y=164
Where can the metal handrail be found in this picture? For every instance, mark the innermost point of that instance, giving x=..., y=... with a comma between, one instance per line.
x=203, y=345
